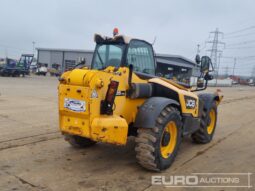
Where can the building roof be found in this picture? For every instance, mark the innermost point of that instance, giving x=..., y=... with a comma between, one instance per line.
x=173, y=63
x=176, y=58
x=65, y=50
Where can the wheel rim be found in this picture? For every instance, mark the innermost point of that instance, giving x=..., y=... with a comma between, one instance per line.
x=167, y=146
x=211, y=125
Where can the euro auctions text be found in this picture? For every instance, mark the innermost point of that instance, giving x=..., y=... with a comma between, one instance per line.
x=233, y=180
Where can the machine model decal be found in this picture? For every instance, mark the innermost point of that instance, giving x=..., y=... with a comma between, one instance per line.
x=75, y=105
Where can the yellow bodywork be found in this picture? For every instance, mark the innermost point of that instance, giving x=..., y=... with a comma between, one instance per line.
x=90, y=87
x=181, y=93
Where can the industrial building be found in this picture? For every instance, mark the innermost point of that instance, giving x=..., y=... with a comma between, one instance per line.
x=178, y=68
x=169, y=66
x=62, y=59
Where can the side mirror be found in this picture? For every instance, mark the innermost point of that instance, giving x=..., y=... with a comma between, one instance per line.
x=205, y=64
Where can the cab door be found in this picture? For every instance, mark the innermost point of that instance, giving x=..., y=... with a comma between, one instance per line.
x=140, y=54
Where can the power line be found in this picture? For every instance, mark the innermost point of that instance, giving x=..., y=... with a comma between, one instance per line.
x=242, y=48
x=248, y=64
x=238, y=36
x=227, y=63
x=227, y=57
x=239, y=68
x=241, y=30
x=242, y=43
x=246, y=61
x=246, y=57
x=240, y=57
x=245, y=64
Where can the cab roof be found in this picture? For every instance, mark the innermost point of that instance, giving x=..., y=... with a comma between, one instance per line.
x=100, y=39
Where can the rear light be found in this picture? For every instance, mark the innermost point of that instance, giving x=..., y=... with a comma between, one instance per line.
x=107, y=104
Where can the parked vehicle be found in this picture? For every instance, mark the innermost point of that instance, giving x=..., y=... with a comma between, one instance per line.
x=54, y=71
x=15, y=69
x=41, y=71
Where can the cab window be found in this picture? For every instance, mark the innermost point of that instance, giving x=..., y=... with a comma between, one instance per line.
x=107, y=55
x=140, y=55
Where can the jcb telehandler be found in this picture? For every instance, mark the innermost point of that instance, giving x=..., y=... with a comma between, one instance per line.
x=122, y=96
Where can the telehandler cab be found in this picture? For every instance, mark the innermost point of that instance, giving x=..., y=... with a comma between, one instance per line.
x=122, y=96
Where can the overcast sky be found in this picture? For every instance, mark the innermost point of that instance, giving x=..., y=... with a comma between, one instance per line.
x=179, y=25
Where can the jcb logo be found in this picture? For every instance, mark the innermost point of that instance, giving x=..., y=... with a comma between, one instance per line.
x=190, y=103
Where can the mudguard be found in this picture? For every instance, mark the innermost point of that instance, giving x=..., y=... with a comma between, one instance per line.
x=150, y=110
x=208, y=99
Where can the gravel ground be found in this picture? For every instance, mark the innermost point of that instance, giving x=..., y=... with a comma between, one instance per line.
x=34, y=156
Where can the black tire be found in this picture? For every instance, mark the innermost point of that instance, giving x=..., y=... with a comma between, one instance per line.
x=79, y=142
x=149, y=141
x=202, y=136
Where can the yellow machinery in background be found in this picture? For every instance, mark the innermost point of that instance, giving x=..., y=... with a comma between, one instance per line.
x=122, y=96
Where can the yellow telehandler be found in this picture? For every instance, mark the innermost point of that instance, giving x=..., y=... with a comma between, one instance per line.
x=121, y=96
